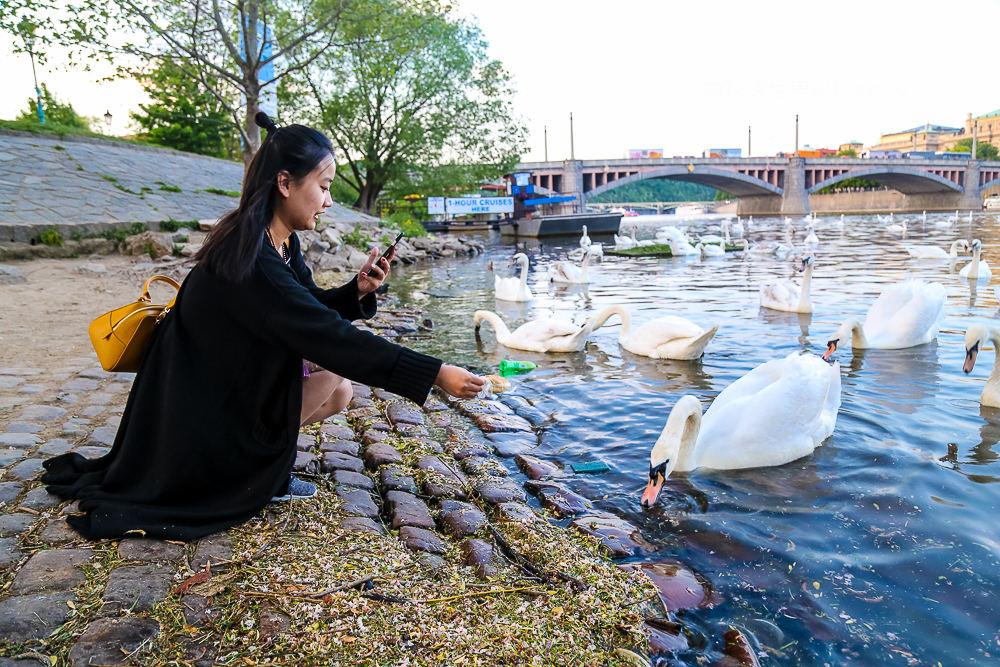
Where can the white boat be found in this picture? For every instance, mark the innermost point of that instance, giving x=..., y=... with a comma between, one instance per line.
x=992, y=203
x=691, y=209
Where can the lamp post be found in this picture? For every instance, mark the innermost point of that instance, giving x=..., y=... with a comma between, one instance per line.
x=107, y=118
x=27, y=31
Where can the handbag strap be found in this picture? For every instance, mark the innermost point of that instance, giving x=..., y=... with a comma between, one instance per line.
x=145, y=288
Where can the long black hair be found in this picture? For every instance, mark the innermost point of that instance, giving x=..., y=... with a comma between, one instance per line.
x=234, y=243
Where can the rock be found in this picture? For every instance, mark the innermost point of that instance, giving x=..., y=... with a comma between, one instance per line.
x=59, y=532
x=412, y=430
x=379, y=454
x=55, y=447
x=357, y=502
x=618, y=536
x=11, y=275
x=33, y=616
x=52, y=570
x=558, y=498
x=24, y=427
x=272, y=624
x=305, y=442
x=355, y=479
x=404, y=414
x=337, y=461
x=373, y=436
x=92, y=452
x=8, y=456
x=93, y=410
x=306, y=463
x=419, y=539
x=664, y=636
x=430, y=562
x=678, y=586
x=738, y=649
x=9, y=491
x=357, y=403
x=496, y=491
x=461, y=519
x=512, y=444
x=408, y=510
x=136, y=588
x=383, y=395
x=148, y=549
x=360, y=524
x=500, y=423
x=440, y=419
x=479, y=406
x=198, y=610
x=478, y=466
x=15, y=524
x=79, y=384
x=361, y=413
x=535, y=468
x=376, y=425
x=40, y=499
x=19, y=439
x=515, y=512
x=101, y=398
x=360, y=390
x=96, y=374
x=153, y=244
x=72, y=508
x=337, y=431
x=110, y=641
x=190, y=249
x=103, y=435
x=25, y=469
x=479, y=555
x=10, y=553
x=348, y=447
x=471, y=449
x=212, y=549
x=392, y=478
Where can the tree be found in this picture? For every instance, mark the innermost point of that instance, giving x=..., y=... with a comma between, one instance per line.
x=56, y=112
x=984, y=150
x=848, y=152
x=184, y=114
x=413, y=103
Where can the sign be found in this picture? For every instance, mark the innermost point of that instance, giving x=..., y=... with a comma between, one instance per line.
x=467, y=205
x=267, y=99
x=644, y=153
x=521, y=178
x=435, y=206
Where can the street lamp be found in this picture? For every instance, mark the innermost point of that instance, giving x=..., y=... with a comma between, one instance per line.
x=27, y=30
x=107, y=118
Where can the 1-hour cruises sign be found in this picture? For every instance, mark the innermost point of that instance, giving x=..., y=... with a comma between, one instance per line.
x=467, y=205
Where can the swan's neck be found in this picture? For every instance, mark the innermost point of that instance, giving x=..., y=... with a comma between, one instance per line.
x=633, y=233
x=974, y=271
x=857, y=330
x=583, y=267
x=524, y=278
x=788, y=236
x=727, y=235
x=954, y=249
x=806, y=281
x=620, y=311
x=498, y=325
x=676, y=444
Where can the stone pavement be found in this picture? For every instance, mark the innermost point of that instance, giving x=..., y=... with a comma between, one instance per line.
x=89, y=186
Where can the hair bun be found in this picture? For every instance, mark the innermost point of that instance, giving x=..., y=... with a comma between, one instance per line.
x=264, y=121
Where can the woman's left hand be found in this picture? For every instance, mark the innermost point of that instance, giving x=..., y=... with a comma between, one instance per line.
x=370, y=283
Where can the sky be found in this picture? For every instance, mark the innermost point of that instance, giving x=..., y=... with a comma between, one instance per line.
x=688, y=76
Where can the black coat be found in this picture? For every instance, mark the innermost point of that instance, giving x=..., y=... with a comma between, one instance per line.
x=208, y=434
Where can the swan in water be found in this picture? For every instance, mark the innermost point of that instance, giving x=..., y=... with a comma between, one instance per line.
x=711, y=238
x=812, y=239
x=669, y=337
x=710, y=250
x=786, y=295
x=934, y=252
x=897, y=229
x=777, y=413
x=976, y=339
x=679, y=248
x=564, y=272
x=624, y=242
x=514, y=289
x=785, y=249
x=537, y=335
x=977, y=269
x=906, y=314
x=584, y=239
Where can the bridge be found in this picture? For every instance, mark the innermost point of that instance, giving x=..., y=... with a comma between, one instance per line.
x=780, y=185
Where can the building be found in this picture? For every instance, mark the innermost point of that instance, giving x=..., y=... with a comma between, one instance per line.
x=722, y=152
x=855, y=146
x=809, y=151
x=939, y=138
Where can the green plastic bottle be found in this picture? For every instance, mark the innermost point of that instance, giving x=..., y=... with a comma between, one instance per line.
x=508, y=367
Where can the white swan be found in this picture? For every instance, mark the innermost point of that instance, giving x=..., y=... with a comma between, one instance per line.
x=564, y=272
x=777, y=413
x=514, y=289
x=669, y=337
x=977, y=269
x=711, y=238
x=624, y=242
x=906, y=314
x=976, y=338
x=584, y=239
x=596, y=249
x=680, y=248
x=812, y=239
x=710, y=250
x=785, y=249
x=934, y=252
x=537, y=335
x=786, y=295
x=738, y=226
x=897, y=229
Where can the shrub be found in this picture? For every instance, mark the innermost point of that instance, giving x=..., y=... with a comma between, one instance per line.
x=170, y=188
x=412, y=229
x=51, y=237
x=172, y=225
x=356, y=238
x=223, y=193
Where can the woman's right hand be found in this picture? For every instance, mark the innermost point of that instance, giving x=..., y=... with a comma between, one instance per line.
x=459, y=382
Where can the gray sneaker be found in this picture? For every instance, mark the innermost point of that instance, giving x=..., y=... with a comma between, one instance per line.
x=296, y=489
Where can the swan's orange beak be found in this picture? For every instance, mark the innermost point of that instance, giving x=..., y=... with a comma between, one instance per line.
x=970, y=358
x=831, y=347
x=652, y=491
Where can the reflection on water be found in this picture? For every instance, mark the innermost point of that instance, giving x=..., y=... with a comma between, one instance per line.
x=880, y=547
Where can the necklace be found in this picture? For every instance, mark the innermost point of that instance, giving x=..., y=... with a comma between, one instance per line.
x=284, y=250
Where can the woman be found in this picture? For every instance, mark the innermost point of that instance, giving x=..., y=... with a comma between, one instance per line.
x=252, y=350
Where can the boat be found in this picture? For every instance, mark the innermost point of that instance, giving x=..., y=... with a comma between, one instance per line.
x=564, y=225
x=992, y=203
x=691, y=209
x=626, y=212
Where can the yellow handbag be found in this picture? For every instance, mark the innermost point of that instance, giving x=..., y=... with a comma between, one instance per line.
x=120, y=337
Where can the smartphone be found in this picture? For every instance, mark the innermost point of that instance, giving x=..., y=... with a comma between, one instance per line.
x=385, y=255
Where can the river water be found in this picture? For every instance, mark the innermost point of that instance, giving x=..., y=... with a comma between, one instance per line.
x=879, y=548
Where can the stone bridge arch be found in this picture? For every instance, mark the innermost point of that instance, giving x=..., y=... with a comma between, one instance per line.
x=733, y=182
x=908, y=180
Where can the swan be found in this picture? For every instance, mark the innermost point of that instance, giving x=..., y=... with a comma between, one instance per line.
x=934, y=252
x=897, y=229
x=777, y=413
x=738, y=226
x=709, y=250
x=711, y=238
x=679, y=248
x=596, y=249
x=537, y=335
x=812, y=239
x=977, y=269
x=840, y=223
x=669, y=337
x=976, y=338
x=786, y=248
x=564, y=272
x=624, y=242
x=585, y=240
x=786, y=295
x=944, y=223
x=906, y=314
x=514, y=289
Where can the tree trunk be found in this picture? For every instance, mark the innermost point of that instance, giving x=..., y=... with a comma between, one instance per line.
x=253, y=132
x=251, y=82
x=368, y=197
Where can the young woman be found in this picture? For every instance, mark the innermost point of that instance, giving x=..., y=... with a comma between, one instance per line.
x=252, y=350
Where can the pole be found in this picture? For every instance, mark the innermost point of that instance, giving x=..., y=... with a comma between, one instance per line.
x=975, y=139
x=546, y=143
x=38, y=92
x=796, y=135
x=749, y=144
x=572, y=154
